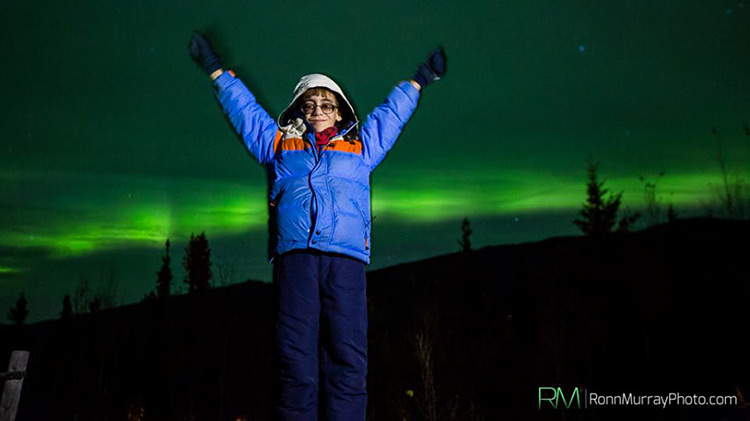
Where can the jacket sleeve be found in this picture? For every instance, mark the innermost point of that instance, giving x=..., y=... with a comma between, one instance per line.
x=384, y=124
x=256, y=128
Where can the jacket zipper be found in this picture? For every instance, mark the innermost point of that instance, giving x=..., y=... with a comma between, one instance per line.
x=313, y=199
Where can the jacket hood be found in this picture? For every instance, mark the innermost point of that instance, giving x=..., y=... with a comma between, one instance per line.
x=317, y=80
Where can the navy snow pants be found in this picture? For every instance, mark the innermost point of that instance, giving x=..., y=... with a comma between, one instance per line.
x=321, y=336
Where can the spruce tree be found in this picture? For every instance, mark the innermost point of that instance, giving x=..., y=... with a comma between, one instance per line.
x=164, y=276
x=67, y=310
x=18, y=313
x=197, y=264
x=465, y=241
x=599, y=213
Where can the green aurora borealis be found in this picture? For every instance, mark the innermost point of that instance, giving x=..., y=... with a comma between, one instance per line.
x=112, y=140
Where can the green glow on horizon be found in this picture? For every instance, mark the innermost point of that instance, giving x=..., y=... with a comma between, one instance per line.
x=94, y=219
x=5, y=269
x=227, y=208
x=530, y=193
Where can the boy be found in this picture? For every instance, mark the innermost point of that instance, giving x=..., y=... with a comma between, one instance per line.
x=319, y=165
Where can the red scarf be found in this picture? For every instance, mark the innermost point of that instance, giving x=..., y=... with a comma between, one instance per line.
x=321, y=138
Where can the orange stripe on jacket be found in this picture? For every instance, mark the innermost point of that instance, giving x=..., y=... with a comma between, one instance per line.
x=276, y=140
x=292, y=144
x=342, y=145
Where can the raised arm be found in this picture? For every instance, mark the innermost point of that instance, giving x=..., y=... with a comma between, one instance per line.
x=383, y=126
x=252, y=123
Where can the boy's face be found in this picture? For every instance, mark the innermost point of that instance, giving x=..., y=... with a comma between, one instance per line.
x=321, y=109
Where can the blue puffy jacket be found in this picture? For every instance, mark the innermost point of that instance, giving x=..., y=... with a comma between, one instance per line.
x=317, y=200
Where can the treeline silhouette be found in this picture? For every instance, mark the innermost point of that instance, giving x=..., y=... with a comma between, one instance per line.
x=465, y=336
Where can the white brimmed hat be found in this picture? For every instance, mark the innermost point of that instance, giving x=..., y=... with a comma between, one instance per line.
x=317, y=80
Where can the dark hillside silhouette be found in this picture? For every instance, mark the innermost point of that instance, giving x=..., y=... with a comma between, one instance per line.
x=466, y=336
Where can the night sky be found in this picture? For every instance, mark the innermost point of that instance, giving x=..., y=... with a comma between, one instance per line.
x=112, y=140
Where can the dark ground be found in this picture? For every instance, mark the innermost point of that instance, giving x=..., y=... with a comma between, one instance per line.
x=466, y=336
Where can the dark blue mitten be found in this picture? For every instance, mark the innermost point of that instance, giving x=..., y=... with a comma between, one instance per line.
x=432, y=69
x=203, y=54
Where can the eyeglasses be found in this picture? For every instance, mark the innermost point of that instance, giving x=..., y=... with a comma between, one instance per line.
x=309, y=108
